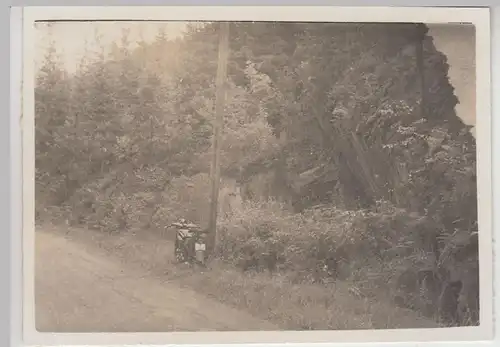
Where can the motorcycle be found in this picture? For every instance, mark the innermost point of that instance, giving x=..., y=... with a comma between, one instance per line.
x=190, y=243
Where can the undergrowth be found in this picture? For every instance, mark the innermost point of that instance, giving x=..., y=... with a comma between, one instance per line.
x=374, y=251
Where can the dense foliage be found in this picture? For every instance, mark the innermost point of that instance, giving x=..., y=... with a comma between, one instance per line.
x=342, y=138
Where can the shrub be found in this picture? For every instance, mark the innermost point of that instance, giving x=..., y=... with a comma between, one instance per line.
x=373, y=248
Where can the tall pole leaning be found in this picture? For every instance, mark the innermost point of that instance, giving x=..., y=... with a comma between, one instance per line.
x=421, y=35
x=220, y=96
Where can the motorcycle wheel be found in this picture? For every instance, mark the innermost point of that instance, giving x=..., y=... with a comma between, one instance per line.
x=180, y=254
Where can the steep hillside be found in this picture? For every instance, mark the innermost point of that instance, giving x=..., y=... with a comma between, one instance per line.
x=458, y=43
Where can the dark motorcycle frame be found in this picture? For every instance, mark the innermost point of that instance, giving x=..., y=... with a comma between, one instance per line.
x=186, y=237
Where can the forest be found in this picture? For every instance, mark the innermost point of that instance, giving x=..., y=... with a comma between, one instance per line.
x=343, y=159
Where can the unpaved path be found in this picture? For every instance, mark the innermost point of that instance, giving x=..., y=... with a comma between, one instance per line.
x=77, y=290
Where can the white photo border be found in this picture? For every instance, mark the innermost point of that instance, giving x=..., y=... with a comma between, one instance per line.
x=480, y=17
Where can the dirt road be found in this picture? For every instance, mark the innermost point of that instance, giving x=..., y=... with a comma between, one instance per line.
x=77, y=290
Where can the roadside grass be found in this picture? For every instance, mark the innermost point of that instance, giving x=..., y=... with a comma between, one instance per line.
x=292, y=306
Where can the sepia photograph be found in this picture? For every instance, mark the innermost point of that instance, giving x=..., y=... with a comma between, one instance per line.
x=257, y=175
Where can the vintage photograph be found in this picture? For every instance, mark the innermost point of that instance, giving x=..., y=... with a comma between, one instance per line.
x=199, y=176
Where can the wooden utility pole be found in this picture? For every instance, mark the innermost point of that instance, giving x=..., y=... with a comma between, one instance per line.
x=220, y=97
x=421, y=34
